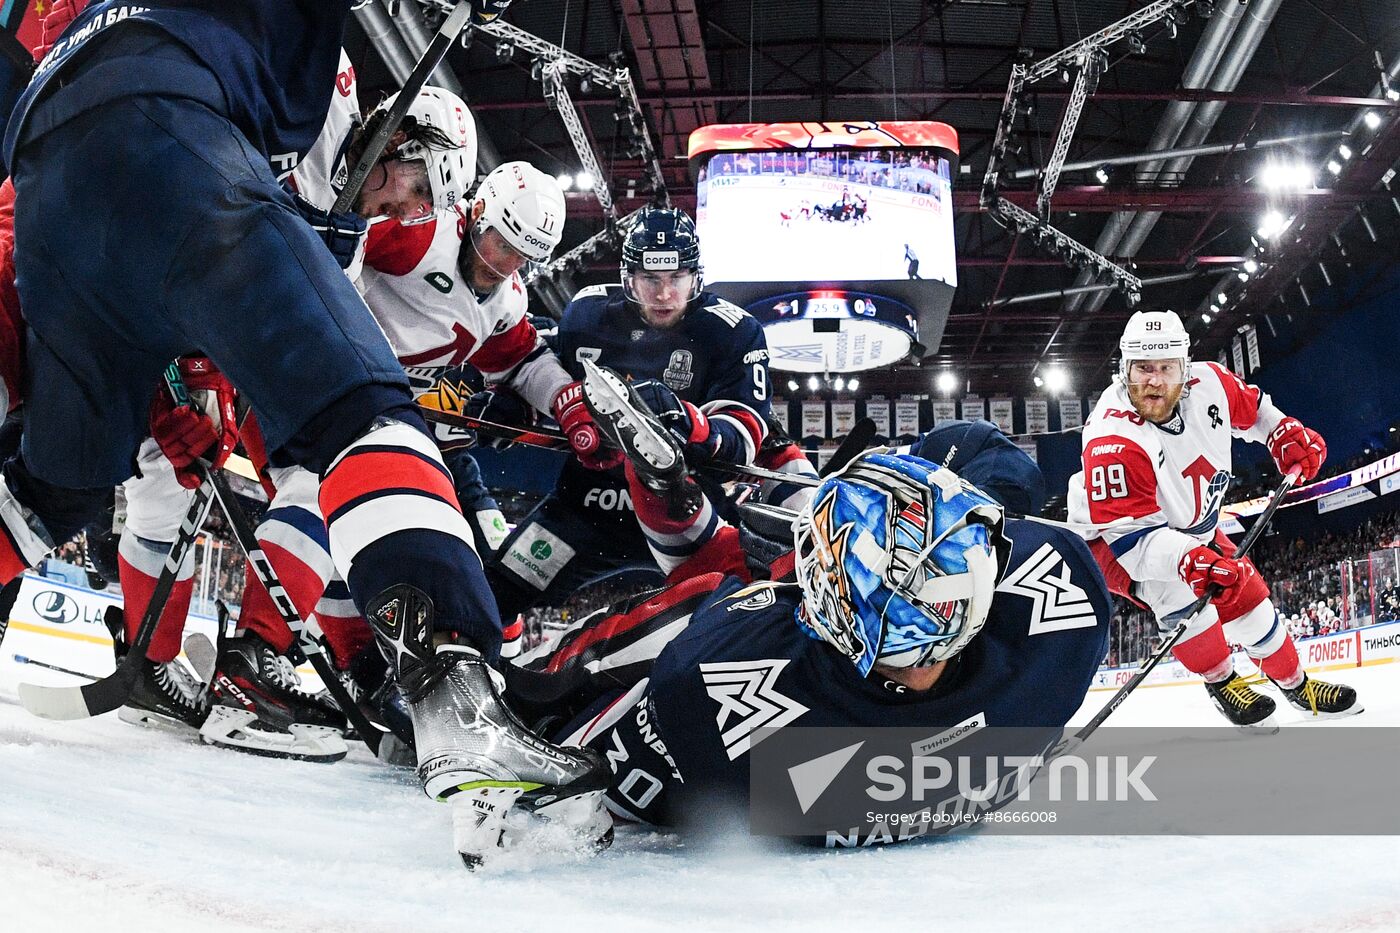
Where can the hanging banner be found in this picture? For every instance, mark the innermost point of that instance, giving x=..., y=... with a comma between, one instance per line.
x=780, y=412
x=1251, y=345
x=1071, y=413
x=974, y=409
x=843, y=418
x=877, y=409
x=1037, y=416
x=814, y=418
x=1027, y=445
x=906, y=417
x=1237, y=355
x=944, y=409
x=1001, y=415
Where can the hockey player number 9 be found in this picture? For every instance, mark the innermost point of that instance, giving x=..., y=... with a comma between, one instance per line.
x=1108, y=482
x=760, y=382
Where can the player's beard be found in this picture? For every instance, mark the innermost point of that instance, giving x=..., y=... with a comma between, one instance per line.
x=1155, y=405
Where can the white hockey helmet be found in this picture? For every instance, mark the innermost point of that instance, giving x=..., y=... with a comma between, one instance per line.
x=525, y=206
x=444, y=139
x=1153, y=335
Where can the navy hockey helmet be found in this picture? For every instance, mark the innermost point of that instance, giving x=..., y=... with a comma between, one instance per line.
x=661, y=239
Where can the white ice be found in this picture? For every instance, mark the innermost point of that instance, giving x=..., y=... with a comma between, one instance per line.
x=111, y=827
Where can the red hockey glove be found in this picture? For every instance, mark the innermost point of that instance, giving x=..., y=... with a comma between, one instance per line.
x=1203, y=566
x=1293, y=445
x=583, y=434
x=208, y=425
x=60, y=14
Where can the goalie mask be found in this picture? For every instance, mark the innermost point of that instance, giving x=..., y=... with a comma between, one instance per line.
x=898, y=560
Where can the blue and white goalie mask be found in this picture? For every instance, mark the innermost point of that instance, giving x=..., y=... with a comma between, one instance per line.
x=898, y=561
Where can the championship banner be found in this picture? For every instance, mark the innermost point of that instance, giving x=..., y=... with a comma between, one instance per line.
x=877, y=409
x=1251, y=344
x=974, y=409
x=1027, y=445
x=780, y=413
x=1037, y=416
x=1001, y=415
x=1237, y=355
x=906, y=417
x=1071, y=413
x=944, y=410
x=814, y=418
x=843, y=418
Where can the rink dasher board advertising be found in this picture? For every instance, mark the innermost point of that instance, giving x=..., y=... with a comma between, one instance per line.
x=1359, y=647
x=854, y=787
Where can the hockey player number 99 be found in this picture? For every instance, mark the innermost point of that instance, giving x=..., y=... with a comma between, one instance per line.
x=1108, y=482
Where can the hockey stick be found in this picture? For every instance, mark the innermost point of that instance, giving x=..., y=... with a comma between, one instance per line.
x=25, y=659
x=8, y=594
x=530, y=437
x=447, y=33
x=262, y=568
x=111, y=691
x=1255, y=532
x=854, y=444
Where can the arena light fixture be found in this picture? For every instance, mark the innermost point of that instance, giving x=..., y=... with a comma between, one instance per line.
x=1344, y=151
x=1287, y=176
x=1056, y=379
x=1251, y=266
x=566, y=181
x=1372, y=120
x=1272, y=225
x=792, y=385
x=584, y=180
x=839, y=384
x=947, y=382
x=1334, y=166
x=813, y=383
x=854, y=384
x=1101, y=174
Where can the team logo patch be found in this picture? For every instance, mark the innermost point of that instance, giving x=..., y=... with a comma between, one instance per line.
x=439, y=280
x=758, y=596
x=637, y=335
x=678, y=374
x=1056, y=603
x=748, y=699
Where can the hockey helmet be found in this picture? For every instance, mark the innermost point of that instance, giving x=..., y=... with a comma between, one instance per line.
x=898, y=561
x=660, y=239
x=525, y=206
x=1153, y=335
x=442, y=135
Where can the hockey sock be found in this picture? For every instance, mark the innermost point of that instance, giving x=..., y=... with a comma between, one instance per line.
x=1267, y=642
x=295, y=542
x=393, y=518
x=139, y=563
x=1206, y=654
x=346, y=631
x=672, y=541
x=259, y=616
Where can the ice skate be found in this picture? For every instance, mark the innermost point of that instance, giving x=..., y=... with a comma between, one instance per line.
x=472, y=750
x=272, y=682
x=1240, y=703
x=625, y=420
x=166, y=695
x=1321, y=700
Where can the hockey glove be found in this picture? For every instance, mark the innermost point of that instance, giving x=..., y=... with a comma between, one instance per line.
x=1203, y=566
x=685, y=421
x=578, y=426
x=206, y=427
x=1294, y=445
x=343, y=234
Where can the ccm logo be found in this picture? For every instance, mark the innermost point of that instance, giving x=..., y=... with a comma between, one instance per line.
x=671, y=260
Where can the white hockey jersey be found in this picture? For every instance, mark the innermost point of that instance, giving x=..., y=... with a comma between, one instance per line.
x=1164, y=482
x=435, y=321
x=320, y=176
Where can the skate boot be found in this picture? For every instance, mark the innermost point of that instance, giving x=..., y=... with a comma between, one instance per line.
x=472, y=750
x=166, y=695
x=1322, y=700
x=654, y=452
x=260, y=709
x=1240, y=702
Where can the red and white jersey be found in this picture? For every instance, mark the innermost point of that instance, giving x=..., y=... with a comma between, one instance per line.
x=1163, y=483
x=320, y=176
x=435, y=321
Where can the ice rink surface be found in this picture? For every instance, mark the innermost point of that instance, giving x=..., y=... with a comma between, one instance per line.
x=106, y=826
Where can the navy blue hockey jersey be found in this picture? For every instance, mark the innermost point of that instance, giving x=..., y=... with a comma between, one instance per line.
x=679, y=740
x=274, y=63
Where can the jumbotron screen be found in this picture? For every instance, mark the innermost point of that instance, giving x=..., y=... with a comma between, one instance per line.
x=785, y=208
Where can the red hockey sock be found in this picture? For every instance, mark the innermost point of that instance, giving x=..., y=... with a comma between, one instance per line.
x=1206, y=654
x=1283, y=666
x=137, y=589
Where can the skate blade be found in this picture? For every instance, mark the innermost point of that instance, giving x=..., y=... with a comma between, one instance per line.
x=1309, y=716
x=606, y=395
x=479, y=819
x=230, y=728
x=144, y=717
x=582, y=814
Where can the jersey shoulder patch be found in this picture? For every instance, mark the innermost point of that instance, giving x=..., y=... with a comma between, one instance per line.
x=727, y=312
x=593, y=291
x=1056, y=578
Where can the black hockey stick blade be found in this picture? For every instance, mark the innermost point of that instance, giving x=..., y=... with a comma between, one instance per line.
x=530, y=437
x=8, y=594
x=852, y=446
x=105, y=695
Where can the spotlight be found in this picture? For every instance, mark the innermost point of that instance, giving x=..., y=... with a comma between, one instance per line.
x=839, y=385
x=1371, y=119
x=1101, y=174
x=1344, y=151
x=504, y=51
x=1221, y=298
x=1272, y=225
x=537, y=70
x=792, y=385
x=585, y=86
x=1136, y=44
x=813, y=383
x=1243, y=276
x=1056, y=379
x=947, y=382
x=583, y=180
x=1334, y=166
x=1038, y=382
x=853, y=384
x=566, y=181
x=1285, y=176
x=1251, y=266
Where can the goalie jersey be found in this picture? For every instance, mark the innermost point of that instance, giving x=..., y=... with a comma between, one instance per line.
x=679, y=740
